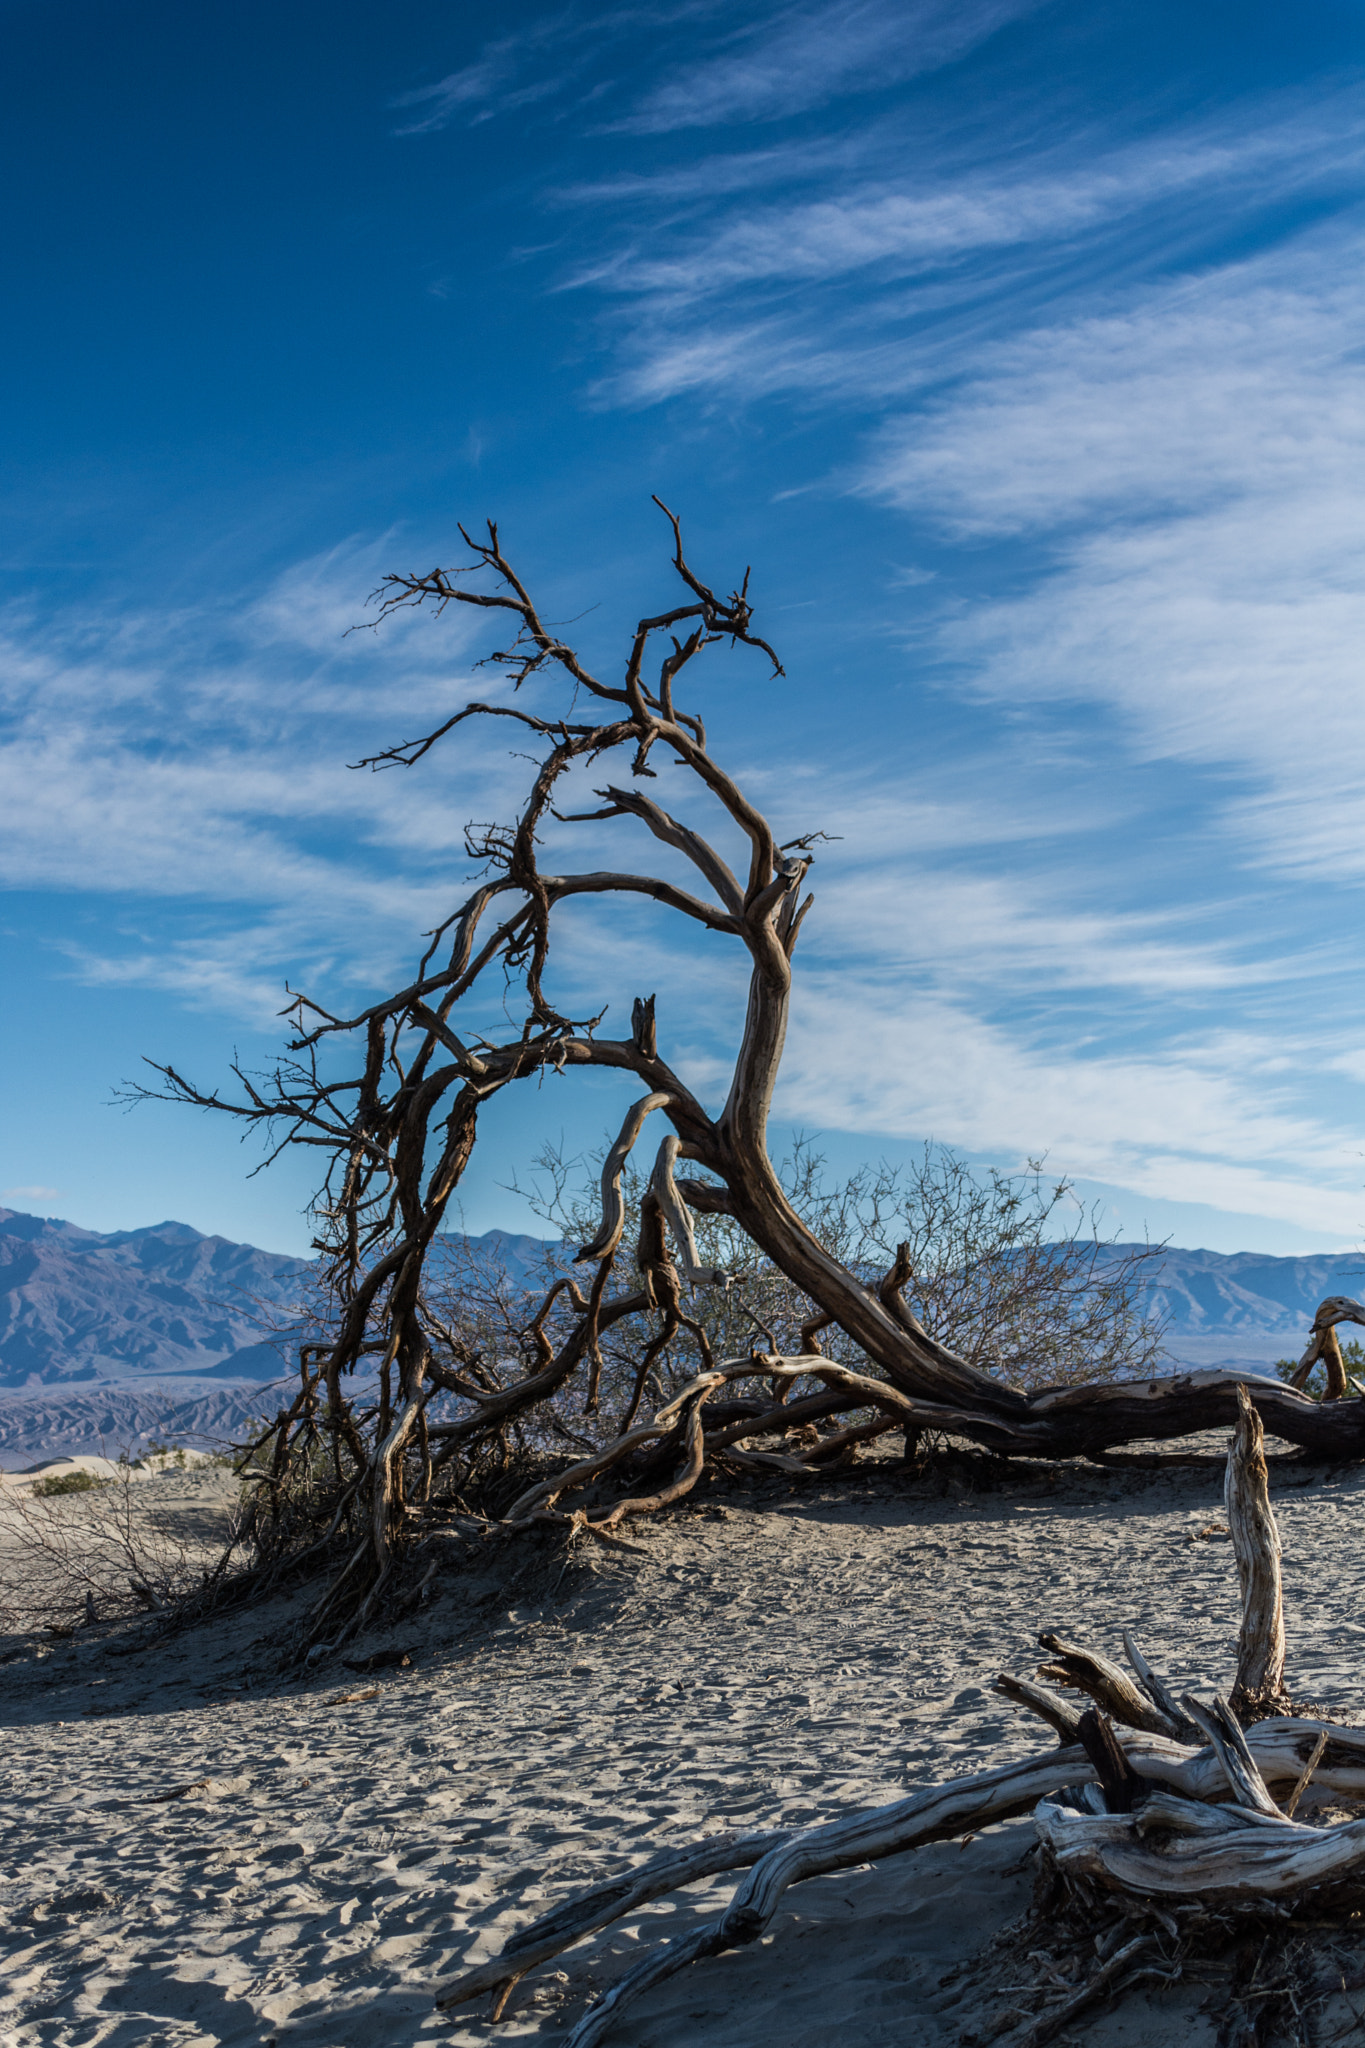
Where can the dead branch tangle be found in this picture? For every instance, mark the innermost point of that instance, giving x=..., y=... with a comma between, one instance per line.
x=391, y=1098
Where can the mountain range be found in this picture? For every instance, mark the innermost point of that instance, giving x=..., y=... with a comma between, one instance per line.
x=87, y=1305
x=126, y=1334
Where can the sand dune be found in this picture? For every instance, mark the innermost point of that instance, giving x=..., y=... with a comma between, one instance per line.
x=199, y=1852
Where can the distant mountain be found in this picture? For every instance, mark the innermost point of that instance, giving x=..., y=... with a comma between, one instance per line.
x=1244, y=1306
x=106, y=1417
x=132, y=1324
x=93, y=1307
x=85, y=1305
x=110, y=1338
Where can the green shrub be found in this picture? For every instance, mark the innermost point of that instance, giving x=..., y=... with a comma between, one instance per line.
x=58, y=1483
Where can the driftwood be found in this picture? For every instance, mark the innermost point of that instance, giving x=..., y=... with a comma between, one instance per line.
x=1163, y=1807
x=680, y=1424
x=1256, y=1540
x=390, y=1098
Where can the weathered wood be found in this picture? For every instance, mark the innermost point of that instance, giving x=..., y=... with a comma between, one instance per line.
x=1305, y=1775
x=1041, y=1700
x=1119, y=1782
x=1159, y=1693
x=613, y=1222
x=1229, y=1745
x=1336, y=1388
x=1256, y=1541
x=1280, y=1747
x=1106, y=1683
x=891, y=1292
x=1324, y=1345
x=1163, y=1809
x=1081, y=1420
x=935, y=1814
x=1268, y=1862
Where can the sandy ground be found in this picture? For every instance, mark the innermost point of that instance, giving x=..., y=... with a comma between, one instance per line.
x=769, y=1658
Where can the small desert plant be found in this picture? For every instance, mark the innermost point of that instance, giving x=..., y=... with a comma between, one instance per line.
x=58, y=1483
x=158, y=1455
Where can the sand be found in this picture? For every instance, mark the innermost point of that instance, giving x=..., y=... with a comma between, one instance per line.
x=766, y=1659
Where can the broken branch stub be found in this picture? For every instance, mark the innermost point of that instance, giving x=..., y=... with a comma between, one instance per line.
x=1259, y=1684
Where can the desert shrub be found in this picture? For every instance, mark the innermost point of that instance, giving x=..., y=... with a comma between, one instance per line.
x=1010, y=1271
x=58, y=1483
x=96, y=1552
x=158, y=1454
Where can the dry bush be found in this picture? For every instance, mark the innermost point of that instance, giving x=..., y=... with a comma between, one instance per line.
x=73, y=1553
x=1010, y=1271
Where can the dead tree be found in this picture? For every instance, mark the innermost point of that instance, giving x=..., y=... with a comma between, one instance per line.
x=391, y=1098
x=1159, y=1819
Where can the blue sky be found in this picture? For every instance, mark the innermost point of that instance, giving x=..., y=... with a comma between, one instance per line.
x=1020, y=349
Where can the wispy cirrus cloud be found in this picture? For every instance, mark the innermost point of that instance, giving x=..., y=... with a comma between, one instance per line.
x=896, y=270
x=1199, y=1120
x=1191, y=463
x=1242, y=380
x=791, y=59
x=546, y=60
x=903, y=228
x=692, y=64
x=197, y=761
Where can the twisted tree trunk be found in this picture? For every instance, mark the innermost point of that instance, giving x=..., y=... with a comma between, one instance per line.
x=396, y=1121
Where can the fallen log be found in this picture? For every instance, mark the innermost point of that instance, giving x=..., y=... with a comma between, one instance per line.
x=1159, y=1805
x=938, y=1813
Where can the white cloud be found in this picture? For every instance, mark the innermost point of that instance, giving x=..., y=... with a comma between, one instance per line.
x=925, y=220
x=201, y=759
x=794, y=58
x=1194, y=468
x=686, y=65
x=1244, y=380
x=898, y=259
x=490, y=85
x=1198, y=1122
x=1000, y=931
